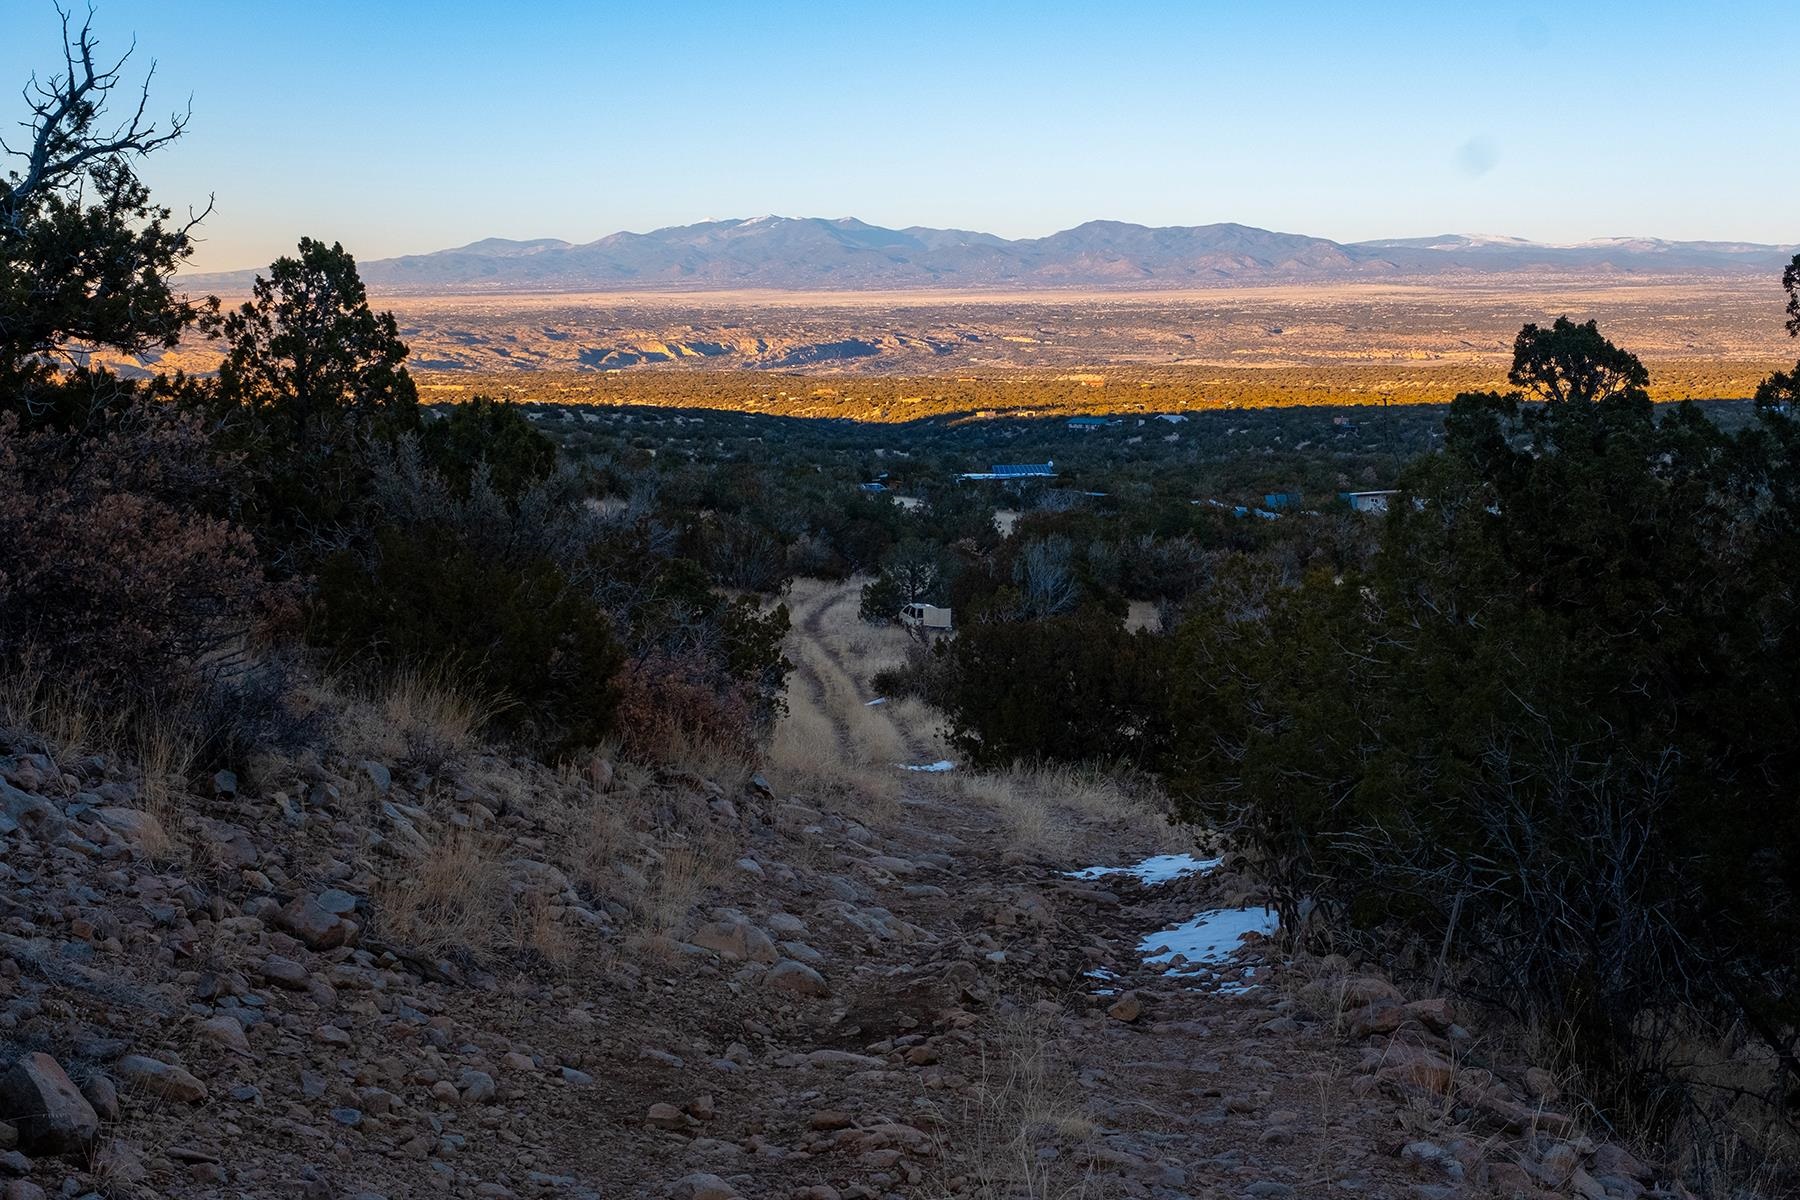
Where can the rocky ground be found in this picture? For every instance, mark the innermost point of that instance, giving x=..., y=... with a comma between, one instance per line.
x=394, y=979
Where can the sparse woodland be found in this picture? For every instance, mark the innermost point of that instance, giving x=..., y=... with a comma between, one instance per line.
x=1531, y=739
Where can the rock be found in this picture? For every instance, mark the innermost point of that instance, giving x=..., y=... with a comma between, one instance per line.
x=161, y=1079
x=1435, y=1014
x=285, y=972
x=140, y=828
x=1558, y=1165
x=1615, y=1160
x=1510, y=1179
x=1372, y=1020
x=600, y=773
x=736, y=941
x=1360, y=991
x=1586, y=1186
x=1126, y=1008
x=761, y=787
x=1433, y=1156
x=99, y=1092
x=227, y=1032
x=842, y=1058
x=119, y=1164
x=797, y=979
x=663, y=1115
x=225, y=785
x=50, y=1113
x=379, y=775
x=1540, y=1084
x=34, y=814
x=313, y=923
x=1419, y=1066
x=22, y=1189
x=701, y=1186
x=476, y=1087
x=1518, y=1118
x=787, y=924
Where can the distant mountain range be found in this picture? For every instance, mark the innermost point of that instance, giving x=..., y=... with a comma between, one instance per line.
x=809, y=253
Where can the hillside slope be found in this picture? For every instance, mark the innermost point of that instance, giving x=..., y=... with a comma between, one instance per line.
x=469, y=976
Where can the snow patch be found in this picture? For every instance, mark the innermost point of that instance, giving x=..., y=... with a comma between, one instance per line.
x=1157, y=869
x=875, y=701
x=942, y=764
x=1209, y=938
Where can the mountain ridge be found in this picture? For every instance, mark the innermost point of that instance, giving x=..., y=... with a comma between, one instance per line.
x=818, y=253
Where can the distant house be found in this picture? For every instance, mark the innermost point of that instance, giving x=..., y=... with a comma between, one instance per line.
x=1015, y=471
x=1171, y=418
x=1280, y=500
x=1088, y=424
x=874, y=489
x=1367, y=502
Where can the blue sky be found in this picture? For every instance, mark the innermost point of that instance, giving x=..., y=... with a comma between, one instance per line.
x=404, y=126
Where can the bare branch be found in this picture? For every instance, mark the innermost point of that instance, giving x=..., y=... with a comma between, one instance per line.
x=64, y=143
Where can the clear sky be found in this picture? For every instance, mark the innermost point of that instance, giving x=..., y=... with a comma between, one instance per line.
x=400, y=126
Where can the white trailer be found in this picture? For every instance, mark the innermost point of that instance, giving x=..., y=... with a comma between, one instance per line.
x=925, y=616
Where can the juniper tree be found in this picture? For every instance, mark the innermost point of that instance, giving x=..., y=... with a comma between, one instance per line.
x=86, y=256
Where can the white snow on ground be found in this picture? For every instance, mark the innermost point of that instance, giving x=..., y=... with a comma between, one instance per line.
x=943, y=764
x=1159, y=869
x=875, y=701
x=1211, y=937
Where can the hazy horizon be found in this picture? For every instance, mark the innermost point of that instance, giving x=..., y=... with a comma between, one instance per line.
x=414, y=128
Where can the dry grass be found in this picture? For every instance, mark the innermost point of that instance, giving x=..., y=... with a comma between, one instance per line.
x=921, y=725
x=63, y=718
x=166, y=754
x=834, y=748
x=616, y=845
x=454, y=897
x=807, y=759
x=1049, y=807
x=536, y=928
x=1025, y=1102
x=677, y=882
x=1731, y=1136
x=423, y=716
x=689, y=754
x=830, y=744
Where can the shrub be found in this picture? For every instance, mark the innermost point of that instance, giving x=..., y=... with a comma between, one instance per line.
x=1071, y=688
x=254, y=709
x=669, y=705
x=1552, y=729
x=517, y=631
x=107, y=568
x=483, y=432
